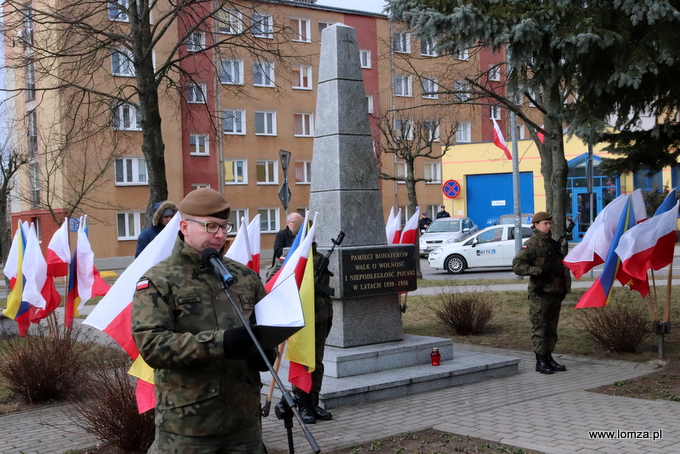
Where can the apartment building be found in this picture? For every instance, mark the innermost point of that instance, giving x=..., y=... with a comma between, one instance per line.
x=226, y=109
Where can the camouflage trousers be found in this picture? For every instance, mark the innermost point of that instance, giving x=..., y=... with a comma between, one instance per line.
x=544, y=313
x=247, y=442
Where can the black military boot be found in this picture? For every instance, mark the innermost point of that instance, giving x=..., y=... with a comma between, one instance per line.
x=319, y=412
x=305, y=407
x=554, y=365
x=542, y=364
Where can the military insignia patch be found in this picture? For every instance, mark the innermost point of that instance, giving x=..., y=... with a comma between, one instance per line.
x=141, y=285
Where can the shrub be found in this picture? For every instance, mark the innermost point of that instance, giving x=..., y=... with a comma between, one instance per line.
x=464, y=312
x=45, y=364
x=107, y=407
x=616, y=328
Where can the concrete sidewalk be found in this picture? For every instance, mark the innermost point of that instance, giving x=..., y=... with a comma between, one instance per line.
x=552, y=414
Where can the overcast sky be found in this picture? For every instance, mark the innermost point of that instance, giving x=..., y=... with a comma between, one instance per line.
x=373, y=6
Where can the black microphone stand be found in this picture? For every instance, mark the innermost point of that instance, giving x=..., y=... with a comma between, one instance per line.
x=287, y=408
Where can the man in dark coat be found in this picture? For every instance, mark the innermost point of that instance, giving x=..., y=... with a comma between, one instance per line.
x=163, y=212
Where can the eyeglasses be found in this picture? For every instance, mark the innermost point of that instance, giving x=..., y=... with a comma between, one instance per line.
x=213, y=227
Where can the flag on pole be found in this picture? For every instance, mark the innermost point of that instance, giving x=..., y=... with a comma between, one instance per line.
x=649, y=245
x=39, y=289
x=499, y=140
x=254, y=238
x=239, y=250
x=17, y=309
x=113, y=314
x=598, y=294
x=594, y=247
x=393, y=228
x=84, y=279
x=408, y=236
x=58, y=254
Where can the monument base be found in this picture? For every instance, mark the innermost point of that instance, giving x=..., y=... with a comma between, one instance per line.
x=373, y=372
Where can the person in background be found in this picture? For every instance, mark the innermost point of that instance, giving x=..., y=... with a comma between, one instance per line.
x=206, y=366
x=284, y=237
x=163, y=212
x=442, y=212
x=424, y=222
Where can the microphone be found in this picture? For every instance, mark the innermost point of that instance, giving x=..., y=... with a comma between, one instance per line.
x=211, y=257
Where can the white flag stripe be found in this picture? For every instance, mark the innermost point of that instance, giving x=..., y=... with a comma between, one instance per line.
x=645, y=235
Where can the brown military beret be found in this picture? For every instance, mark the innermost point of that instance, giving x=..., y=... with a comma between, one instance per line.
x=541, y=216
x=205, y=202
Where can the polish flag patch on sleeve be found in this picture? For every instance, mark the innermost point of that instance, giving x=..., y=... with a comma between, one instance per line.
x=143, y=284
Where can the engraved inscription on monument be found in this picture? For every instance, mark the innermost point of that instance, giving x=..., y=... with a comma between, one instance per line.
x=378, y=270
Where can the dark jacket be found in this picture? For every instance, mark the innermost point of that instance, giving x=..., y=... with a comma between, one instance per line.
x=530, y=259
x=284, y=238
x=149, y=233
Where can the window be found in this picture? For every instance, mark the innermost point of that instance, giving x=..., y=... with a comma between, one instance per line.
x=34, y=177
x=130, y=172
x=495, y=73
x=365, y=58
x=430, y=88
x=229, y=22
x=32, y=133
x=302, y=77
x=121, y=63
x=303, y=125
x=401, y=42
x=263, y=74
x=118, y=10
x=200, y=186
x=129, y=224
x=300, y=30
x=463, y=132
x=265, y=123
x=402, y=85
x=30, y=80
x=461, y=89
x=495, y=112
x=461, y=54
x=644, y=180
x=427, y=47
x=195, y=41
x=126, y=118
x=235, y=216
x=198, y=145
x=196, y=93
x=269, y=220
x=262, y=25
x=234, y=121
x=266, y=172
x=401, y=172
x=26, y=33
x=431, y=130
x=403, y=129
x=323, y=25
x=232, y=72
x=235, y=171
x=369, y=102
x=433, y=172
x=303, y=172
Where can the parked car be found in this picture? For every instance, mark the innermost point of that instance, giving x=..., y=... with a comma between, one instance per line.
x=492, y=247
x=440, y=230
x=510, y=219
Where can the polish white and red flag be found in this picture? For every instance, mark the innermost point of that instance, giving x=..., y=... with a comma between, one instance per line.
x=651, y=244
x=392, y=228
x=58, y=254
x=499, y=140
x=597, y=241
x=113, y=314
x=254, y=238
x=239, y=250
x=408, y=236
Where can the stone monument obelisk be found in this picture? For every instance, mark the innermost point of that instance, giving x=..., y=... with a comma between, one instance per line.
x=345, y=192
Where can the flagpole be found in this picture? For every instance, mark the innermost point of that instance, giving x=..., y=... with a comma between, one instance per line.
x=270, y=394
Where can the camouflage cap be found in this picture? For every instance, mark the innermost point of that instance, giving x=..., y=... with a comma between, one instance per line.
x=541, y=216
x=205, y=202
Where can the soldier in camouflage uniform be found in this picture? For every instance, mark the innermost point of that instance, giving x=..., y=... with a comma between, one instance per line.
x=310, y=411
x=544, y=308
x=205, y=364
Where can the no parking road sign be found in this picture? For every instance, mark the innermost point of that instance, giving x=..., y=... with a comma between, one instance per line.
x=451, y=189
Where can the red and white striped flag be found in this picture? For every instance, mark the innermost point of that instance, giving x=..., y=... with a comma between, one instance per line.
x=499, y=140
x=408, y=236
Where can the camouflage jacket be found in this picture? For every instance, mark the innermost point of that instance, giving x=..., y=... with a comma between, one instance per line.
x=179, y=314
x=529, y=262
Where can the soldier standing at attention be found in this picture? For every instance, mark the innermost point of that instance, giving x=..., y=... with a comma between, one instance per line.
x=205, y=364
x=544, y=303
